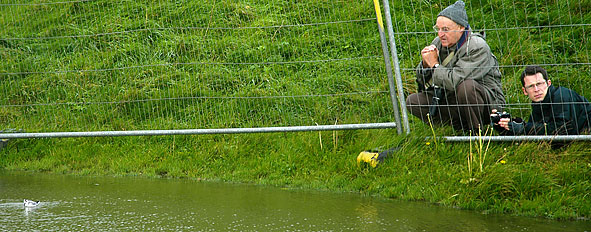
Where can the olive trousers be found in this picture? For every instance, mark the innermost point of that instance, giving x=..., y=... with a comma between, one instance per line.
x=467, y=108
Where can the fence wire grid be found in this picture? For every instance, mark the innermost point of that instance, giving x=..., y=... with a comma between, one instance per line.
x=95, y=65
x=169, y=65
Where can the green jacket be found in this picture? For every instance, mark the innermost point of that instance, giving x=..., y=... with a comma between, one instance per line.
x=473, y=60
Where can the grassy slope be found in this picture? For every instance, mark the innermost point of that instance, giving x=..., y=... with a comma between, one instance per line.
x=532, y=180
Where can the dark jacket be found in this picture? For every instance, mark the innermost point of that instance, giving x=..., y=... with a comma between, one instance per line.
x=562, y=112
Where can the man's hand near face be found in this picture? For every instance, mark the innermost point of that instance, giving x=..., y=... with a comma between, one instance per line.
x=430, y=56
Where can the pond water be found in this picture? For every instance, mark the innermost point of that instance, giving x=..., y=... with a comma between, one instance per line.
x=71, y=203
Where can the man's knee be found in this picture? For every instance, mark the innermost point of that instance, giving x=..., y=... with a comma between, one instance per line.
x=469, y=91
x=416, y=99
x=417, y=104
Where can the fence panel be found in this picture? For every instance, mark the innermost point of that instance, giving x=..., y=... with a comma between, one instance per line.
x=99, y=65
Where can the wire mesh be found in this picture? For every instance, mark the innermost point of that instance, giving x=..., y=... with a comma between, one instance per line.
x=98, y=65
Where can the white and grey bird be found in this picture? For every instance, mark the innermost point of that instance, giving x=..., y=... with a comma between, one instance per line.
x=30, y=203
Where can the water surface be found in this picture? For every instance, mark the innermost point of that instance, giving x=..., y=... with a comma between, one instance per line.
x=70, y=203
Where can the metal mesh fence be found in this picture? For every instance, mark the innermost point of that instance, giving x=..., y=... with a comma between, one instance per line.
x=157, y=65
x=551, y=34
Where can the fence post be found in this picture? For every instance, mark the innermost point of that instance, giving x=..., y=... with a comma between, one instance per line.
x=388, y=65
x=394, y=52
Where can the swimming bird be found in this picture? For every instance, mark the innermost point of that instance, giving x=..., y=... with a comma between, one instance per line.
x=29, y=203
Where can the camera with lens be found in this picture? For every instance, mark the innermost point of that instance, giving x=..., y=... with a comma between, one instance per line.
x=496, y=117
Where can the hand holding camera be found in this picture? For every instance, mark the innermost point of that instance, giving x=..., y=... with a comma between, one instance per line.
x=495, y=117
x=500, y=120
x=505, y=125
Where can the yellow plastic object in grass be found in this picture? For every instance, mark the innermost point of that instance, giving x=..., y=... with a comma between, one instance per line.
x=373, y=157
x=369, y=157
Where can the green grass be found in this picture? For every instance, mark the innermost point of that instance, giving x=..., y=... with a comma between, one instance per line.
x=176, y=67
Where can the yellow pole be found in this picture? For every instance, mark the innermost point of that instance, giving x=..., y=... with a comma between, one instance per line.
x=376, y=5
x=385, y=49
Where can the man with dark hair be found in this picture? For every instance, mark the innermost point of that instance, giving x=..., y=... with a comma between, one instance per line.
x=459, y=81
x=555, y=110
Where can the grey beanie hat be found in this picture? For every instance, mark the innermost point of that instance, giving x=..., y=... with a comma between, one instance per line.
x=456, y=13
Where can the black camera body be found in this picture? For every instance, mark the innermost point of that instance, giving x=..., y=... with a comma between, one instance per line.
x=496, y=117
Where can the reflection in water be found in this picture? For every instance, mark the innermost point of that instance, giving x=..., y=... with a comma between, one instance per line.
x=77, y=203
x=29, y=210
x=368, y=216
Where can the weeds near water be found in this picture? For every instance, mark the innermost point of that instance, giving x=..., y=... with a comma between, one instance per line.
x=432, y=130
x=479, y=148
x=320, y=138
x=335, y=137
